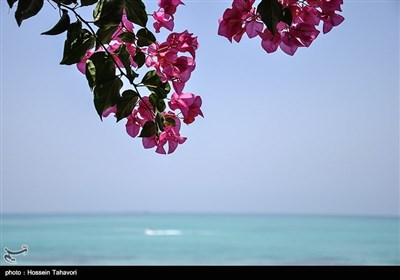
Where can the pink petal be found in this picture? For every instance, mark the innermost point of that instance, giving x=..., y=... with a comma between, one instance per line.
x=82, y=66
x=178, y=86
x=327, y=27
x=149, y=142
x=172, y=145
x=253, y=28
x=160, y=150
x=110, y=110
x=132, y=128
x=269, y=41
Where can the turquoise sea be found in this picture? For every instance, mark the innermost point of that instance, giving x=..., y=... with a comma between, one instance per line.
x=137, y=239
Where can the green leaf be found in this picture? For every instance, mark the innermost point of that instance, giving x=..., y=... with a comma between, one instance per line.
x=76, y=48
x=149, y=129
x=169, y=121
x=106, y=95
x=104, y=34
x=153, y=100
x=100, y=68
x=88, y=2
x=136, y=11
x=127, y=37
x=149, y=76
x=61, y=26
x=27, y=9
x=75, y=54
x=287, y=16
x=152, y=81
x=108, y=12
x=139, y=58
x=163, y=90
x=124, y=56
x=90, y=73
x=160, y=121
x=74, y=31
x=271, y=13
x=157, y=103
x=145, y=37
x=11, y=3
x=126, y=104
x=161, y=105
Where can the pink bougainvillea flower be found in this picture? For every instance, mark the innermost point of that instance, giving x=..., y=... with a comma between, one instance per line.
x=330, y=20
x=170, y=6
x=309, y=15
x=133, y=124
x=182, y=68
x=269, y=41
x=169, y=66
x=127, y=24
x=139, y=117
x=188, y=103
x=239, y=19
x=300, y=28
x=150, y=142
x=170, y=135
x=253, y=28
x=164, y=17
x=289, y=43
x=305, y=32
x=163, y=20
x=330, y=5
x=183, y=42
x=179, y=72
x=132, y=51
x=243, y=5
x=231, y=25
x=160, y=55
x=145, y=109
x=124, y=26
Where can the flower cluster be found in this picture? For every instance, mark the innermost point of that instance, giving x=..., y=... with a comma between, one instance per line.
x=170, y=135
x=289, y=24
x=164, y=17
x=188, y=103
x=111, y=50
x=169, y=64
x=173, y=62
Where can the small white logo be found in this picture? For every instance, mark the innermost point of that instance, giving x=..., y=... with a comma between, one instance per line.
x=8, y=256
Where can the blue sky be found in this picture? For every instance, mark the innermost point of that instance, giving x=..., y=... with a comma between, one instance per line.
x=315, y=133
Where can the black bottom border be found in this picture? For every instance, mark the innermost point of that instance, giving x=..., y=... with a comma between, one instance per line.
x=245, y=272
